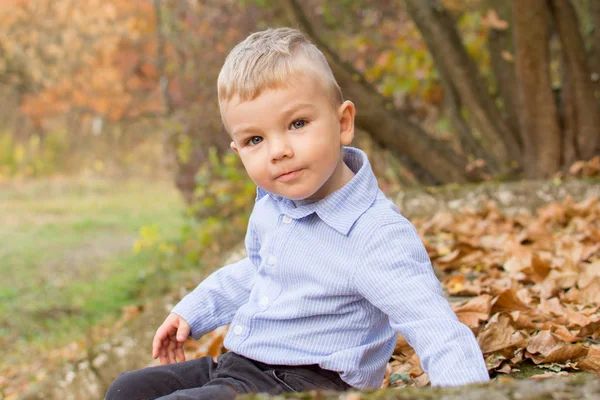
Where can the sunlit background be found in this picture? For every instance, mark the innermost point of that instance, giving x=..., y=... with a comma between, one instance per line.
x=117, y=184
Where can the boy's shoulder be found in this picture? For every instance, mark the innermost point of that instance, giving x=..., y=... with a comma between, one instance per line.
x=383, y=212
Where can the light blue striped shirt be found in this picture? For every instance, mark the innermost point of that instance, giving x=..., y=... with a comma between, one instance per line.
x=331, y=283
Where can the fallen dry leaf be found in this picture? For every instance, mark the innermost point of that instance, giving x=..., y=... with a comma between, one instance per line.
x=549, y=374
x=590, y=363
x=508, y=301
x=498, y=334
x=474, y=311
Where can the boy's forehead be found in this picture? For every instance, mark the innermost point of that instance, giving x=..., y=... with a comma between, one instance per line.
x=300, y=89
x=278, y=99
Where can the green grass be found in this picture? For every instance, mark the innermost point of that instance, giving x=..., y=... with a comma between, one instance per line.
x=67, y=260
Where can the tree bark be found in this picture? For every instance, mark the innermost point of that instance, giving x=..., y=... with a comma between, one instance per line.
x=594, y=10
x=567, y=117
x=500, y=45
x=586, y=118
x=456, y=66
x=539, y=116
x=376, y=115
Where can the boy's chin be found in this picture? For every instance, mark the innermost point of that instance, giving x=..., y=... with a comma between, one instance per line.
x=296, y=196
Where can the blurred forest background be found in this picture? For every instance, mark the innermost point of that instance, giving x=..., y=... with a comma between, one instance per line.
x=110, y=135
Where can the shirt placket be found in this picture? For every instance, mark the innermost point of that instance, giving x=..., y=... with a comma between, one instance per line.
x=281, y=235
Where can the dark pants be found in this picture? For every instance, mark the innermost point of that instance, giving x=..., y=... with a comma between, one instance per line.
x=233, y=374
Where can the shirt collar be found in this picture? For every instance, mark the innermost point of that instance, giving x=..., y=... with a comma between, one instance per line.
x=342, y=208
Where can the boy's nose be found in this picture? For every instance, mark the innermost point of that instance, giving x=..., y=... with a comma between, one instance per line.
x=280, y=148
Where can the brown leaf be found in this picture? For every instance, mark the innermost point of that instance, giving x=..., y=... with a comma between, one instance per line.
x=474, y=311
x=543, y=343
x=566, y=335
x=539, y=268
x=566, y=353
x=491, y=20
x=592, y=329
x=590, y=363
x=499, y=334
x=402, y=346
x=520, y=258
x=545, y=347
x=528, y=320
x=455, y=284
x=506, y=369
x=576, y=319
x=493, y=361
x=576, y=167
x=508, y=301
x=507, y=56
x=386, y=379
x=551, y=306
x=421, y=380
x=591, y=294
x=549, y=374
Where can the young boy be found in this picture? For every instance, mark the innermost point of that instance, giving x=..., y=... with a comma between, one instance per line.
x=333, y=271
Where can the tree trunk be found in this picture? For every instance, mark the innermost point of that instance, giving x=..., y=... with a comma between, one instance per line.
x=456, y=66
x=501, y=47
x=539, y=116
x=567, y=117
x=376, y=115
x=594, y=10
x=586, y=118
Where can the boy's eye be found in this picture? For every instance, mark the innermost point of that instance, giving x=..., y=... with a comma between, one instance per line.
x=299, y=123
x=254, y=140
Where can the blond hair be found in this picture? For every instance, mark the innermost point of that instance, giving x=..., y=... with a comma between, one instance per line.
x=267, y=59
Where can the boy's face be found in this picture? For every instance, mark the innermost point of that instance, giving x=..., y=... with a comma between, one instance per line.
x=290, y=139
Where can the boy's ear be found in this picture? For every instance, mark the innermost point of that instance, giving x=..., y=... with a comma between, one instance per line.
x=346, y=114
x=234, y=148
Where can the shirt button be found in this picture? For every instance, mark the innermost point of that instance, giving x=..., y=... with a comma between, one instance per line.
x=264, y=301
x=238, y=329
x=287, y=219
x=272, y=260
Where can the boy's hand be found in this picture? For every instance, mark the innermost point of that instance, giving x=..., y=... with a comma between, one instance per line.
x=169, y=338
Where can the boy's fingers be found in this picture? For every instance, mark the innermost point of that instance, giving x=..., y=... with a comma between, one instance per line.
x=162, y=333
x=183, y=332
x=163, y=352
x=179, y=352
x=166, y=342
x=171, y=350
x=156, y=345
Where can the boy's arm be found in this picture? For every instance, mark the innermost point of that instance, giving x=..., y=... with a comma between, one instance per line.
x=216, y=299
x=395, y=275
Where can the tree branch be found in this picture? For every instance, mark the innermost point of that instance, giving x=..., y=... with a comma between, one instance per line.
x=587, y=116
x=456, y=66
x=500, y=47
x=160, y=59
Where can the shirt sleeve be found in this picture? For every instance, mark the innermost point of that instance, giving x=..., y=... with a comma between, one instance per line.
x=396, y=276
x=215, y=300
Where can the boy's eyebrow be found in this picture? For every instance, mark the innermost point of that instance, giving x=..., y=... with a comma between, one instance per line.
x=295, y=107
x=284, y=114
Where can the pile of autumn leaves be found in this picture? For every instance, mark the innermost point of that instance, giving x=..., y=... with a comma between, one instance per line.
x=529, y=287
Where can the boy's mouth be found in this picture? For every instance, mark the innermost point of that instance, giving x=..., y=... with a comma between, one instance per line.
x=288, y=176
